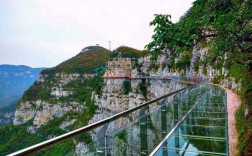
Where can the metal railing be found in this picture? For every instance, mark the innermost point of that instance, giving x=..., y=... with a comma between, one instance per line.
x=87, y=128
x=179, y=131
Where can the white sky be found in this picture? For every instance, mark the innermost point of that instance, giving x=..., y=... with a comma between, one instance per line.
x=43, y=33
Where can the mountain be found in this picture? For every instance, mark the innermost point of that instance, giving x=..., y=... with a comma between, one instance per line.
x=59, y=101
x=14, y=80
x=72, y=94
x=7, y=113
x=61, y=88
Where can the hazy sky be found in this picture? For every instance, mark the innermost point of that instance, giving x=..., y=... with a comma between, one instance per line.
x=43, y=33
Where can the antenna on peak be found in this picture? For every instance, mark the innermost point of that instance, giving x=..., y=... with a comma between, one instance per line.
x=110, y=45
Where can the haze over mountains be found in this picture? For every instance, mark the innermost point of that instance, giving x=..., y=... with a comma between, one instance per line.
x=14, y=80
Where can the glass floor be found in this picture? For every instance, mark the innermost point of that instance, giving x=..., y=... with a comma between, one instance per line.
x=204, y=131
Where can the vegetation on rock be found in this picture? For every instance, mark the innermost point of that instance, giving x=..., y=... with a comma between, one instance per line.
x=127, y=87
x=14, y=138
x=124, y=51
x=225, y=27
x=85, y=62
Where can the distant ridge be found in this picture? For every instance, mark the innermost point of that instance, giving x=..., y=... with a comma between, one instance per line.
x=17, y=67
x=14, y=80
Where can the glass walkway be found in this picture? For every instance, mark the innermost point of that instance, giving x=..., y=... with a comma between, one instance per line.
x=204, y=132
x=190, y=122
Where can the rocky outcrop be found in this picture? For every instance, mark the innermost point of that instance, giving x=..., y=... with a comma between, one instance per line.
x=113, y=99
x=67, y=123
x=42, y=111
x=220, y=76
x=119, y=67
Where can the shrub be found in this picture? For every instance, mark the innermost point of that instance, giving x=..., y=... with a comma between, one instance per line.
x=127, y=87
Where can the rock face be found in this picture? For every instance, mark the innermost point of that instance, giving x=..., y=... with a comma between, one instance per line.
x=113, y=99
x=120, y=67
x=216, y=75
x=42, y=111
x=118, y=93
x=219, y=76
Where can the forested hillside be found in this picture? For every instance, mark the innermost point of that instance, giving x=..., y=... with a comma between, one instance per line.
x=225, y=27
x=213, y=40
x=58, y=102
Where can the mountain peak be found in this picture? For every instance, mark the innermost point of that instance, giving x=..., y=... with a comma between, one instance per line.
x=85, y=62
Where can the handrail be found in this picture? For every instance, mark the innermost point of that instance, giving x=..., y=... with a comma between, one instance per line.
x=42, y=145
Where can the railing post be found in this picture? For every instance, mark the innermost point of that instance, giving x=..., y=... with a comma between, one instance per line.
x=176, y=117
x=106, y=145
x=164, y=124
x=143, y=132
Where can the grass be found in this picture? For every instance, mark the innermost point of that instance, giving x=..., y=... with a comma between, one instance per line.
x=242, y=128
x=127, y=52
x=237, y=71
x=137, y=53
x=84, y=62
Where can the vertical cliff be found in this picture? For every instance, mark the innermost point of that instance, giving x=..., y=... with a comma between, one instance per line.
x=59, y=101
x=70, y=95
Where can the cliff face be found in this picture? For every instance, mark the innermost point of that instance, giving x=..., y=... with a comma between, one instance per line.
x=114, y=98
x=62, y=89
x=215, y=75
x=62, y=99
x=77, y=99
x=198, y=68
x=41, y=111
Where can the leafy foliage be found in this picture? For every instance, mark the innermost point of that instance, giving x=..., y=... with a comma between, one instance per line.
x=143, y=89
x=184, y=61
x=129, y=52
x=226, y=23
x=225, y=26
x=127, y=87
x=122, y=135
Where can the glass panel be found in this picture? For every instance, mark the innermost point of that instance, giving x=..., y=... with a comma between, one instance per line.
x=139, y=132
x=204, y=131
x=196, y=144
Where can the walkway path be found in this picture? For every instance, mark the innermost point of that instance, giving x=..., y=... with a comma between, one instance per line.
x=149, y=77
x=233, y=102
